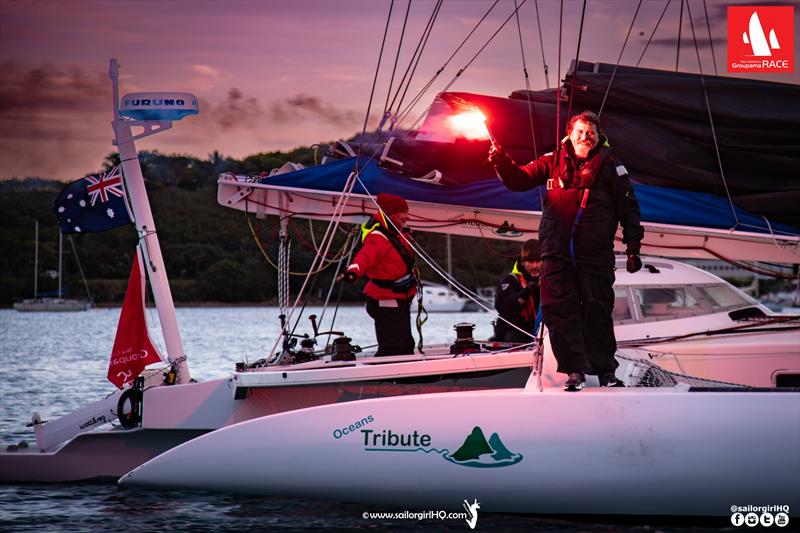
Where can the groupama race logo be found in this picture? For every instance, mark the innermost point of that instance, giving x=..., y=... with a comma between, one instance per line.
x=761, y=39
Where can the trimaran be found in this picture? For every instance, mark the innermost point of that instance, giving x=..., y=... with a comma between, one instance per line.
x=507, y=447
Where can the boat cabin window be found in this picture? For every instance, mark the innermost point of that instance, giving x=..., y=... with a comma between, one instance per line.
x=622, y=309
x=722, y=297
x=666, y=303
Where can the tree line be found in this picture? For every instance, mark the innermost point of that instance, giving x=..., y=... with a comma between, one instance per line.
x=210, y=252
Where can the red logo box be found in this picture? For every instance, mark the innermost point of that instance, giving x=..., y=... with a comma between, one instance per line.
x=761, y=39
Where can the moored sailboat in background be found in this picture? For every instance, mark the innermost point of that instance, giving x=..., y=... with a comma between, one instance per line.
x=58, y=304
x=441, y=299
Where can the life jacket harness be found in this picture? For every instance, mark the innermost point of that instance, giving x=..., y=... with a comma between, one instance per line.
x=530, y=309
x=404, y=283
x=586, y=174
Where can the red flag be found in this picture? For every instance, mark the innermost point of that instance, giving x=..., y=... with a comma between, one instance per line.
x=133, y=349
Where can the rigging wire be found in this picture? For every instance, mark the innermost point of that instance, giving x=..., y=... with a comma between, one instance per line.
x=710, y=40
x=487, y=43
x=531, y=107
x=310, y=245
x=353, y=241
x=425, y=42
x=80, y=269
x=415, y=57
x=396, y=60
x=430, y=82
x=654, y=31
x=388, y=113
x=411, y=105
x=527, y=82
x=577, y=62
x=375, y=79
x=680, y=27
x=311, y=235
x=284, y=262
x=541, y=45
x=336, y=259
x=711, y=120
x=557, y=149
x=474, y=57
x=614, y=73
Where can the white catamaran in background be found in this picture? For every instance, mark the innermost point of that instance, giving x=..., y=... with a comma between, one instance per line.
x=493, y=406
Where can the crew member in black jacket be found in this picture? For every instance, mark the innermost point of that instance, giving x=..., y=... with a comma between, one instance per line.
x=588, y=194
x=517, y=297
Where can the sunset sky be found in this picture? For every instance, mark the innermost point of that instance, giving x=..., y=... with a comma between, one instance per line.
x=274, y=75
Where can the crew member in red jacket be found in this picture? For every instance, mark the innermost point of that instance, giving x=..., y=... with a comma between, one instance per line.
x=387, y=260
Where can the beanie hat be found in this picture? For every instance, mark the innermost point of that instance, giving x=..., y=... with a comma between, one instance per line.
x=530, y=251
x=391, y=204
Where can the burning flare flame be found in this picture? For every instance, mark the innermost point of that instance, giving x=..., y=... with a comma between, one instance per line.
x=469, y=124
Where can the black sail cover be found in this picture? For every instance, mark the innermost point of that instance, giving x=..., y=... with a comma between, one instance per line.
x=657, y=123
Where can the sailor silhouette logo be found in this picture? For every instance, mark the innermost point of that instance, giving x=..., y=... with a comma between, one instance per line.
x=472, y=512
x=477, y=452
x=761, y=39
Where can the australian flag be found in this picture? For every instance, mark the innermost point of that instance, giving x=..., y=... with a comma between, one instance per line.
x=93, y=204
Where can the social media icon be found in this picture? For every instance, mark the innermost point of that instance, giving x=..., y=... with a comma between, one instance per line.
x=767, y=519
x=781, y=519
x=737, y=519
x=751, y=519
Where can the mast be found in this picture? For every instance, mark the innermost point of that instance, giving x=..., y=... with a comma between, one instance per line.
x=36, y=261
x=145, y=225
x=60, y=255
x=449, y=260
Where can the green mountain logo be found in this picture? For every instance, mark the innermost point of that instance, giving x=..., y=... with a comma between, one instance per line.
x=477, y=452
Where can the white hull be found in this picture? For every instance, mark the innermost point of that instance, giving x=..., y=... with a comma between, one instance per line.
x=601, y=451
x=445, y=307
x=440, y=299
x=175, y=414
x=755, y=359
x=94, y=455
x=51, y=305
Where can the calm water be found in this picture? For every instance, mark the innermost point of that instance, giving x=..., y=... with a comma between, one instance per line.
x=53, y=363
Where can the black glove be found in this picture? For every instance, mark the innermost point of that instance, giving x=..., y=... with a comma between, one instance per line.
x=634, y=263
x=497, y=155
x=348, y=276
x=525, y=293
